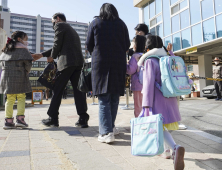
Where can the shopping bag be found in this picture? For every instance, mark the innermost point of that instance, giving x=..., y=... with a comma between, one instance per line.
x=147, y=135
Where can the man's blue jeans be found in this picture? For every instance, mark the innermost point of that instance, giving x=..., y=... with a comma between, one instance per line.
x=108, y=107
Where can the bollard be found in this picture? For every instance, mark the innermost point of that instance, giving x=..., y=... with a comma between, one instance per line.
x=93, y=103
x=127, y=107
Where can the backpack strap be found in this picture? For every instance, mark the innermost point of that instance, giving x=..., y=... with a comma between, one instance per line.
x=154, y=56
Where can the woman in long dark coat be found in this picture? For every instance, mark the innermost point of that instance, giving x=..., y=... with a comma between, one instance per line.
x=108, y=41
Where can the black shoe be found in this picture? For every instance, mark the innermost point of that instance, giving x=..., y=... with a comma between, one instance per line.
x=46, y=120
x=51, y=122
x=83, y=123
x=217, y=99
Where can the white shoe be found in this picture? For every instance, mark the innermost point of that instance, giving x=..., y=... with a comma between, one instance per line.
x=166, y=154
x=182, y=127
x=107, y=138
x=115, y=131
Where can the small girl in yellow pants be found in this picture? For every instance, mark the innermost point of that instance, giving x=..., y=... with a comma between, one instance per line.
x=16, y=63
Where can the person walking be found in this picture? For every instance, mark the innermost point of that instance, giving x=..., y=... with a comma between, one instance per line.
x=67, y=48
x=154, y=99
x=133, y=70
x=141, y=29
x=16, y=63
x=108, y=41
x=217, y=74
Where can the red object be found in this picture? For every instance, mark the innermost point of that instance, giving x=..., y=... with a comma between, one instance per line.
x=9, y=40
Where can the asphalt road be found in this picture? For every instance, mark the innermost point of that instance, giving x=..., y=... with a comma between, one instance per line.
x=202, y=114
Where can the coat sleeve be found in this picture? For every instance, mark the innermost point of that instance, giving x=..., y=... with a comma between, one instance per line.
x=58, y=41
x=149, y=77
x=28, y=65
x=90, y=39
x=127, y=39
x=132, y=66
x=47, y=53
x=171, y=53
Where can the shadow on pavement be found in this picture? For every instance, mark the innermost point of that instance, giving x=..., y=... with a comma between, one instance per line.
x=211, y=163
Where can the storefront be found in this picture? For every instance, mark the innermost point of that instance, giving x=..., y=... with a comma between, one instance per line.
x=192, y=26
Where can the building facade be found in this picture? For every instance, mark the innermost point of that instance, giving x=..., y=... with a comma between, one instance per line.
x=40, y=35
x=192, y=26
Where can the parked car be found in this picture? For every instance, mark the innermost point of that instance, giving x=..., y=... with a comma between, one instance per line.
x=209, y=92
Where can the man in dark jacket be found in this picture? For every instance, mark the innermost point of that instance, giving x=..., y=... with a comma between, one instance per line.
x=67, y=48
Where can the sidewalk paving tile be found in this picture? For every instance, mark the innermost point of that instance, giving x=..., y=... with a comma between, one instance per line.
x=21, y=166
x=46, y=148
x=46, y=162
x=14, y=153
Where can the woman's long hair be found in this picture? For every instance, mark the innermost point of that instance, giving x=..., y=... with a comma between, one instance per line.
x=108, y=12
x=154, y=41
x=140, y=41
x=11, y=43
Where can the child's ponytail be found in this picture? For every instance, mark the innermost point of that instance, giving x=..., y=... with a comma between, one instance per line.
x=11, y=42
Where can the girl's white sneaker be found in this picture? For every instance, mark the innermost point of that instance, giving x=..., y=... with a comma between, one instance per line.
x=166, y=154
x=106, y=138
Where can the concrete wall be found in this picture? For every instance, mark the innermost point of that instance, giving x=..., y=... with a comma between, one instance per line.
x=141, y=16
x=6, y=26
x=38, y=34
x=205, y=70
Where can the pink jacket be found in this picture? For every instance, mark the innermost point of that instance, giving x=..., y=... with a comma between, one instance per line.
x=133, y=70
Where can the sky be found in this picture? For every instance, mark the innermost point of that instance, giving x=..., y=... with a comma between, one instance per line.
x=76, y=10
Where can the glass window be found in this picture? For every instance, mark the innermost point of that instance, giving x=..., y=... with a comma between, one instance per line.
x=189, y=67
x=35, y=64
x=173, y=1
x=153, y=22
x=153, y=31
x=219, y=25
x=40, y=73
x=176, y=42
x=195, y=11
x=159, y=30
x=33, y=73
x=186, y=38
x=158, y=6
x=184, y=19
x=174, y=9
x=183, y=4
x=209, y=30
x=42, y=64
x=207, y=9
x=196, y=34
x=146, y=15
x=152, y=9
x=159, y=18
x=175, y=24
x=166, y=18
x=218, y=6
x=167, y=40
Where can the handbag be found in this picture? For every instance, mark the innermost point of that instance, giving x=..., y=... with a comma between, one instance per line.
x=49, y=75
x=85, y=80
x=147, y=135
x=127, y=81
